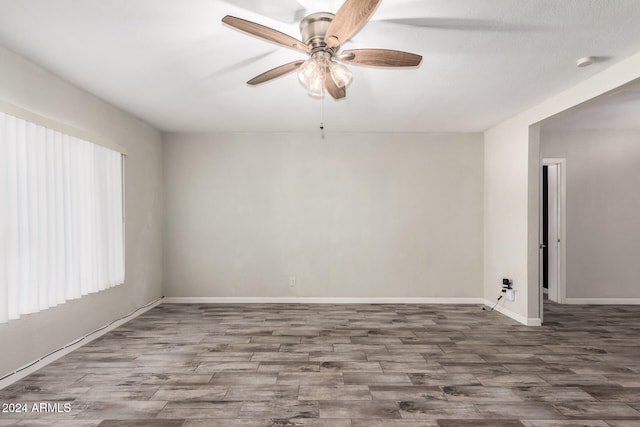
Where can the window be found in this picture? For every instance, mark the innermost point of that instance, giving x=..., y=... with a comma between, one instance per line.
x=61, y=217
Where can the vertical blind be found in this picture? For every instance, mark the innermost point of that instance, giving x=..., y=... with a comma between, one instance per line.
x=61, y=218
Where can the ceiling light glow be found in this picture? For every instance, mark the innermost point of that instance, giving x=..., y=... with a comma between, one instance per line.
x=340, y=74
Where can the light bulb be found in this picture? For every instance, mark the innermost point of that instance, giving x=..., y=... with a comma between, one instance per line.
x=340, y=74
x=308, y=72
x=316, y=87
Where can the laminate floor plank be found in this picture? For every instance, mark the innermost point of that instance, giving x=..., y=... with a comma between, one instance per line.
x=331, y=365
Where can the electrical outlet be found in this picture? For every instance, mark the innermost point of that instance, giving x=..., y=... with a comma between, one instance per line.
x=292, y=281
x=511, y=294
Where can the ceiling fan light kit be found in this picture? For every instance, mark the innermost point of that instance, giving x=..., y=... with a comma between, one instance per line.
x=315, y=70
x=322, y=36
x=340, y=74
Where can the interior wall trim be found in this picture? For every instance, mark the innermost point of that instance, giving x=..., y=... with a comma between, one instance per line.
x=528, y=321
x=319, y=300
x=31, y=367
x=603, y=301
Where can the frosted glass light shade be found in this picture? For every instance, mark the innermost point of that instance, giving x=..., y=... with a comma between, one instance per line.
x=340, y=74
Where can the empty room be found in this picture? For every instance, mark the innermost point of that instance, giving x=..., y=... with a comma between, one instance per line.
x=327, y=213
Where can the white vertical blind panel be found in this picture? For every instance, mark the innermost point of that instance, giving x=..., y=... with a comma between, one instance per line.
x=61, y=218
x=5, y=173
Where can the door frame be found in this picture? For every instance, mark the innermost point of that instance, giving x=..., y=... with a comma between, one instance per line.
x=562, y=229
x=552, y=231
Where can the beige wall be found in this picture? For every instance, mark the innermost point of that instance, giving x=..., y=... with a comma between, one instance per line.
x=506, y=215
x=26, y=85
x=603, y=205
x=350, y=215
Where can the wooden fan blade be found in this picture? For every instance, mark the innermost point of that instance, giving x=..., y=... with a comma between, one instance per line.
x=265, y=33
x=333, y=89
x=348, y=20
x=275, y=72
x=380, y=58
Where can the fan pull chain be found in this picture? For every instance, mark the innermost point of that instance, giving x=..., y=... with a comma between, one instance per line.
x=322, y=110
x=322, y=113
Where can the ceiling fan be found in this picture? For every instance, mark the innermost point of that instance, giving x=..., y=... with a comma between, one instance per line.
x=323, y=34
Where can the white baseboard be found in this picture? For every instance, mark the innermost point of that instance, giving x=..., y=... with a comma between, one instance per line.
x=340, y=300
x=603, y=301
x=528, y=321
x=334, y=300
x=318, y=300
x=30, y=368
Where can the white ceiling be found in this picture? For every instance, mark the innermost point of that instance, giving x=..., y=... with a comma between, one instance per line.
x=173, y=64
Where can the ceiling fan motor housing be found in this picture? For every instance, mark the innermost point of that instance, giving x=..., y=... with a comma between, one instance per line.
x=313, y=28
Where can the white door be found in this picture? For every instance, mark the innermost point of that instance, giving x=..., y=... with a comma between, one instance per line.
x=557, y=202
x=553, y=230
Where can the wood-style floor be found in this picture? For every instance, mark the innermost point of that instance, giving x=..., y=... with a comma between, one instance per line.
x=346, y=366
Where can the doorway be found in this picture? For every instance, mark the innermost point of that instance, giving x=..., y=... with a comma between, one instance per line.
x=553, y=231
